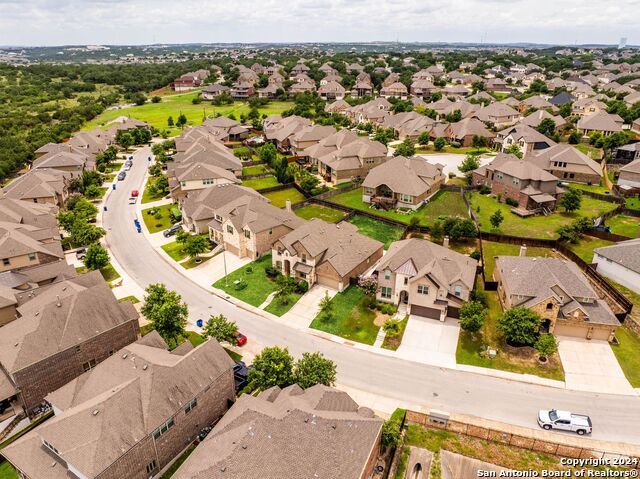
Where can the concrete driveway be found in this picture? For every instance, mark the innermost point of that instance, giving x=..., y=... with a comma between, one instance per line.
x=590, y=365
x=452, y=161
x=211, y=271
x=303, y=312
x=430, y=341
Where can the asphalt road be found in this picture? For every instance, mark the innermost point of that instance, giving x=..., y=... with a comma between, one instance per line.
x=616, y=418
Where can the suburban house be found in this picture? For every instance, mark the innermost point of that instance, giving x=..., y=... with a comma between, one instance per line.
x=465, y=130
x=526, y=138
x=261, y=435
x=242, y=89
x=588, y=106
x=558, y=291
x=498, y=114
x=280, y=130
x=567, y=163
x=532, y=187
x=195, y=175
x=363, y=86
x=325, y=253
x=131, y=415
x=66, y=158
x=630, y=175
x=402, y=183
x=374, y=111
x=433, y=281
x=337, y=107
x=602, y=122
x=308, y=136
x=422, y=88
x=408, y=124
x=538, y=102
x=302, y=86
x=41, y=215
x=627, y=153
x=234, y=129
x=190, y=80
x=331, y=90
x=65, y=330
x=40, y=186
x=396, y=90
x=23, y=245
x=534, y=119
x=213, y=91
x=620, y=262
x=248, y=226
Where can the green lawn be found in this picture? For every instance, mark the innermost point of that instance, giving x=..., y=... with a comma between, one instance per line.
x=591, y=151
x=258, y=285
x=165, y=221
x=174, y=250
x=178, y=462
x=255, y=170
x=447, y=203
x=628, y=354
x=109, y=273
x=260, y=183
x=277, y=308
x=601, y=190
x=156, y=114
x=279, y=198
x=492, y=249
x=329, y=215
x=133, y=299
x=584, y=248
x=535, y=226
x=148, y=197
x=195, y=339
x=377, y=230
x=471, y=345
x=624, y=225
x=193, y=262
x=633, y=203
x=351, y=319
x=7, y=471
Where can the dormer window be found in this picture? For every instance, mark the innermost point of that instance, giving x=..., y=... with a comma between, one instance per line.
x=457, y=291
x=549, y=306
x=387, y=274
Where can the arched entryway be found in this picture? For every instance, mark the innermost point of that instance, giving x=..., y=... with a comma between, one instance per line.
x=404, y=297
x=287, y=267
x=417, y=472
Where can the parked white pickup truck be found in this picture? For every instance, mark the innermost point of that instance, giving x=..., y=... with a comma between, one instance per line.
x=564, y=420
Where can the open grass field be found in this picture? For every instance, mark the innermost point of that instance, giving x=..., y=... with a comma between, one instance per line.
x=156, y=114
x=351, y=319
x=279, y=198
x=147, y=197
x=260, y=183
x=536, y=226
x=601, y=190
x=584, y=248
x=258, y=286
x=591, y=151
x=377, y=230
x=317, y=211
x=624, y=225
x=633, y=203
x=492, y=249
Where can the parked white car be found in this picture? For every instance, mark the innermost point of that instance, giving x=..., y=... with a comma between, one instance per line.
x=565, y=421
x=133, y=200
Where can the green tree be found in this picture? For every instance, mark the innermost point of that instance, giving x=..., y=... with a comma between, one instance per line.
x=391, y=327
x=520, y=326
x=156, y=99
x=166, y=311
x=469, y=163
x=273, y=366
x=472, y=316
x=571, y=200
x=439, y=143
x=546, y=345
x=182, y=120
x=496, y=219
x=312, y=369
x=96, y=257
x=406, y=148
x=268, y=153
x=170, y=121
x=326, y=307
x=514, y=150
x=479, y=142
x=390, y=434
x=125, y=140
x=574, y=138
x=547, y=127
x=83, y=233
x=194, y=246
x=423, y=139
x=221, y=329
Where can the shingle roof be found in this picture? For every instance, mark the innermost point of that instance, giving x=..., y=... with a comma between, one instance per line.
x=411, y=176
x=625, y=253
x=563, y=153
x=601, y=121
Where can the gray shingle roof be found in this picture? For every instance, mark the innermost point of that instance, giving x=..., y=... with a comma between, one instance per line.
x=625, y=253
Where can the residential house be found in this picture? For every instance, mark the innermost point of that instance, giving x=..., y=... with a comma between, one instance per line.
x=310, y=425
x=402, y=183
x=374, y=111
x=131, y=415
x=537, y=102
x=558, y=291
x=363, y=86
x=332, y=90
x=92, y=141
x=354, y=68
x=532, y=187
x=534, y=119
x=629, y=178
x=325, y=253
x=242, y=89
x=190, y=80
x=498, y=114
x=627, y=153
x=562, y=98
x=40, y=186
x=497, y=85
x=588, y=106
x=408, y=124
x=330, y=78
x=602, y=122
x=270, y=91
x=568, y=164
x=23, y=245
x=620, y=262
x=339, y=106
x=306, y=86
x=465, y=130
x=281, y=130
x=300, y=67
x=422, y=88
x=309, y=136
x=65, y=330
x=67, y=159
x=526, y=138
x=395, y=90
x=41, y=215
x=433, y=281
x=233, y=128
x=213, y=91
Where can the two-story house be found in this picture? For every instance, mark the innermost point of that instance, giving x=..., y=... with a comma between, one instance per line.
x=567, y=163
x=526, y=138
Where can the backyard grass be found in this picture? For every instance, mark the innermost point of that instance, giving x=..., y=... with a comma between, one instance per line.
x=377, y=230
x=517, y=360
x=393, y=342
x=535, y=226
x=156, y=114
x=260, y=183
x=601, y=190
x=584, y=248
x=277, y=308
x=254, y=170
x=133, y=299
x=165, y=221
x=178, y=462
x=624, y=225
x=351, y=319
x=109, y=273
x=7, y=471
x=627, y=353
x=279, y=198
x=329, y=215
x=195, y=339
x=447, y=203
x=633, y=203
x=147, y=197
x=591, y=151
x=258, y=286
x=492, y=249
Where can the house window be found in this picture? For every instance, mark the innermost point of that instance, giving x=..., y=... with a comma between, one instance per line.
x=549, y=306
x=369, y=191
x=515, y=181
x=247, y=234
x=499, y=175
x=230, y=229
x=183, y=183
x=302, y=275
x=457, y=291
x=151, y=466
x=304, y=258
x=218, y=217
x=279, y=265
x=6, y=262
x=190, y=406
x=423, y=289
x=270, y=231
x=209, y=181
x=406, y=281
x=385, y=292
x=32, y=256
x=406, y=198
x=163, y=428
x=387, y=274
x=89, y=365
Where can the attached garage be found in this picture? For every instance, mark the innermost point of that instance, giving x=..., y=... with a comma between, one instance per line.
x=453, y=312
x=328, y=281
x=232, y=249
x=575, y=331
x=425, y=311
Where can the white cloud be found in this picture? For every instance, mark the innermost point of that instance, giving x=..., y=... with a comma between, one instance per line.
x=54, y=22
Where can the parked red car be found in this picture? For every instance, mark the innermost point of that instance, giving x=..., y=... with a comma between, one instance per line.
x=134, y=192
x=241, y=339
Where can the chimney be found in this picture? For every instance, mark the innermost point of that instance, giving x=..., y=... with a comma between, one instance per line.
x=288, y=205
x=58, y=303
x=523, y=250
x=445, y=242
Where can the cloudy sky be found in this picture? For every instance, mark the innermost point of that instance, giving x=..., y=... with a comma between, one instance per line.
x=58, y=22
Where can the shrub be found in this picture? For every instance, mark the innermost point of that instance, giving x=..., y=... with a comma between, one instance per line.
x=369, y=301
x=302, y=287
x=485, y=190
x=271, y=271
x=240, y=285
x=249, y=270
x=546, y=345
x=520, y=326
x=475, y=254
x=472, y=316
x=511, y=202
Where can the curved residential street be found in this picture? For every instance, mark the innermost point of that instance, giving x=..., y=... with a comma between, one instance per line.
x=615, y=417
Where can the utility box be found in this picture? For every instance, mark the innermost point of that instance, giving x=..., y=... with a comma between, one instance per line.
x=438, y=417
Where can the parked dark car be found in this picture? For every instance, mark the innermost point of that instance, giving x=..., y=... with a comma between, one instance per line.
x=81, y=253
x=122, y=175
x=240, y=375
x=171, y=231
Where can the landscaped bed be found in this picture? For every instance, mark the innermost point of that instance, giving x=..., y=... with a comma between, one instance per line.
x=535, y=226
x=377, y=230
x=351, y=319
x=393, y=341
x=261, y=183
x=257, y=286
x=279, y=198
x=329, y=215
x=492, y=249
x=624, y=225
x=155, y=223
x=278, y=308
